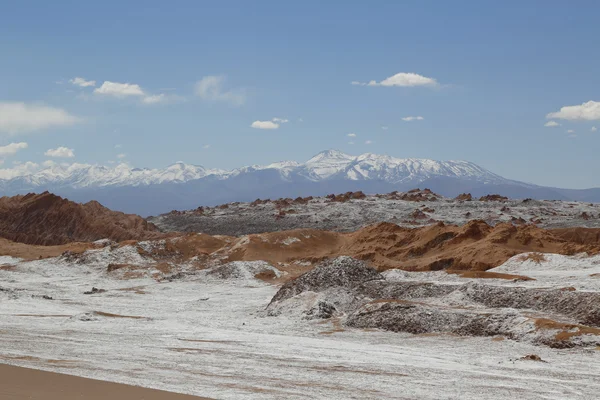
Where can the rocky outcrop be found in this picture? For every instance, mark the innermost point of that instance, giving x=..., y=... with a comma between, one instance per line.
x=341, y=272
x=359, y=297
x=47, y=219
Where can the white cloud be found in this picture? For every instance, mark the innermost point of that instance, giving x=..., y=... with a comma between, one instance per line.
x=119, y=89
x=49, y=163
x=118, y=146
x=402, y=79
x=60, y=152
x=16, y=118
x=264, y=125
x=589, y=111
x=206, y=146
x=121, y=156
x=22, y=169
x=280, y=120
x=154, y=99
x=81, y=82
x=551, y=124
x=210, y=88
x=351, y=135
x=385, y=128
x=409, y=119
x=368, y=142
x=594, y=129
x=570, y=131
x=12, y=148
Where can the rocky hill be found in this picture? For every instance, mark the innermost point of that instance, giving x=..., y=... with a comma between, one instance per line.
x=47, y=219
x=352, y=210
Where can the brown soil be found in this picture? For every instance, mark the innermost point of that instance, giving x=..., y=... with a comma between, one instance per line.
x=490, y=275
x=535, y=257
x=566, y=331
x=47, y=219
x=475, y=246
x=110, y=315
x=24, y=383
x=578, y=235
x=29, y=252
x=532, y=357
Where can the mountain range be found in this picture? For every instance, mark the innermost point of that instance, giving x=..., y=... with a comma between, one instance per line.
x=183, y=186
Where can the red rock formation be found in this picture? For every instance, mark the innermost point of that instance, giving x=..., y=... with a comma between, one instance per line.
x=47, y=219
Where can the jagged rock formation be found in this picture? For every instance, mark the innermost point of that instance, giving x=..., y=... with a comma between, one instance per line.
x=359, y=297
x=47, y=219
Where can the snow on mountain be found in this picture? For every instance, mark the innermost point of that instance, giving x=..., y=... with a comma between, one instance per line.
x=397, y=170
x=327, y=165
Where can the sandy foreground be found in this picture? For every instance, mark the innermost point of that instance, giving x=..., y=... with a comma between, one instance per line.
x=210, y=337
x=18, y=383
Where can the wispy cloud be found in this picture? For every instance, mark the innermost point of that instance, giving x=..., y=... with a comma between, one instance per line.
x=551, y=124
x=20, y=169
x=594, y=129
x=82, y=82
x=17, y=118
x=117, y=89
x=401, y=79
x=12, y=148
x=121, y=156
x=210, y=88
x=409, y=119
x=351, y=135
x=368, y=141
x=154, y=99
x=60, y=152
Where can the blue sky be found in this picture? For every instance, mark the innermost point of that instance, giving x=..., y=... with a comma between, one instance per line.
x=200, y=73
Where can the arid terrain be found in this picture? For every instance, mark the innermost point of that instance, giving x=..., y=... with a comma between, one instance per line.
x=46, y=219
x=353, y=210
x=348, y=296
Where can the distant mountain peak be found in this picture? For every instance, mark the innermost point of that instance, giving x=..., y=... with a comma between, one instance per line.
x=330, y=154
x=326, y=165
x=181, y=186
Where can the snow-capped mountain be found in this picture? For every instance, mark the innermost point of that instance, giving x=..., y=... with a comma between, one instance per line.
x=181, y=186
x=330, y=164
x=88, y=176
